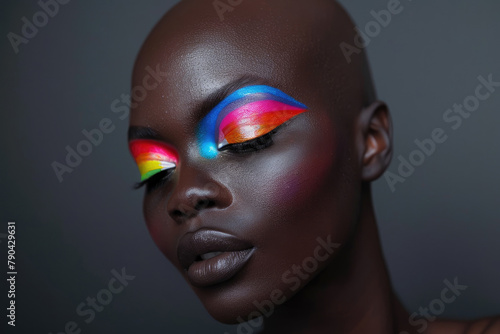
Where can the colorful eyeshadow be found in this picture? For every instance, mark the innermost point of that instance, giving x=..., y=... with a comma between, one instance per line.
x=248, y=113
x=254, y=120
x=152, y=157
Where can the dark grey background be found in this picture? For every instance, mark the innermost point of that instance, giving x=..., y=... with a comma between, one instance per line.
x=440, y=224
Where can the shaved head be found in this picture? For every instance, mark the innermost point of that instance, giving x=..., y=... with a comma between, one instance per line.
x=265, y=38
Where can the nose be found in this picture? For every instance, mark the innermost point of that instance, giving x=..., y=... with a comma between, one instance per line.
x=196, y=190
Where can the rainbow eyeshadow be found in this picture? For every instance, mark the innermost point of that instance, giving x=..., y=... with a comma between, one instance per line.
x=246, y=114
x=152, y=157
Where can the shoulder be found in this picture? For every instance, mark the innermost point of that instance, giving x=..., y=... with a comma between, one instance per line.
x=479, y=326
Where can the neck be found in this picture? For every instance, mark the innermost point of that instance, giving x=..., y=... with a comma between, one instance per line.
x=352, y=295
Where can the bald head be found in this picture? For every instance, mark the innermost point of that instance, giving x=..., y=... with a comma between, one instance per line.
x=204, y=45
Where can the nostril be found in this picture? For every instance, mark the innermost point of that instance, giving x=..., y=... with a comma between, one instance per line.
x=203, y=204
x=185, y=211
x=177, y=213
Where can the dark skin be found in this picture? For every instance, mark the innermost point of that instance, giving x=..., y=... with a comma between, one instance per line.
x=313, y=181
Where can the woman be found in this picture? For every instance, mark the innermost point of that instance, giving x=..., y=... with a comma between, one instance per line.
x=257, y=148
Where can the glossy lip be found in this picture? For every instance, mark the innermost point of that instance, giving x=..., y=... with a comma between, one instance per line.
x=235, y=254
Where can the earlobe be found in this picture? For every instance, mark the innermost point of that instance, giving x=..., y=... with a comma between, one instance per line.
x=376, y=127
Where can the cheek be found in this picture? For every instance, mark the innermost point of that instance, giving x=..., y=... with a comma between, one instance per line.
x=299, y=193
x=156, y=229
x=156, y=215
x=304, y=169
x=300, y=181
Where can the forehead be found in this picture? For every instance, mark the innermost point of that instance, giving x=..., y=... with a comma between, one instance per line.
x=198, y=54
x=197, y=62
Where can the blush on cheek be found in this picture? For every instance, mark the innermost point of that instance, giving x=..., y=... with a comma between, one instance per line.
x=303, y=181
x=307, y=163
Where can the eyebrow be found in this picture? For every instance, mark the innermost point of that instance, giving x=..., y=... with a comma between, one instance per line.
x=140, y=132
x=203, y=108
x=214, y=99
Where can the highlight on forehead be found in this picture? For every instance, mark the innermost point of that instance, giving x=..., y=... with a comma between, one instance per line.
x=207, y=130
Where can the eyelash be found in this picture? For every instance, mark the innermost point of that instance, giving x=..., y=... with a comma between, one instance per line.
x=248, y=146
x=155, y=181
x=251, y=145
x=255, y=144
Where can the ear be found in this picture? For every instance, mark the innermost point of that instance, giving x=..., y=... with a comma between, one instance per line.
x=375, y=146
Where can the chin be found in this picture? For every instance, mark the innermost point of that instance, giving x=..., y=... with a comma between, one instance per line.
x=237, y=300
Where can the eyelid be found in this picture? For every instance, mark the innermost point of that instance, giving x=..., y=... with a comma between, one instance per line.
x=253, y=120
x=207, y=131
x=154, y=181
x=153, y=157
x=255, y=144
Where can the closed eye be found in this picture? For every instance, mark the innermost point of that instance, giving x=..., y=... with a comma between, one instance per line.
x=245, y=115
x=253, y=121
x=252, y=145
x=156, y=161
x=155, y=181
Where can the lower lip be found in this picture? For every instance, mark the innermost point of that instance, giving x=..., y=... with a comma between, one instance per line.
x=219, y=268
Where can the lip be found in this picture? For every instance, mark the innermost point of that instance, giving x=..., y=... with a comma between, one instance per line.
x=235, y=254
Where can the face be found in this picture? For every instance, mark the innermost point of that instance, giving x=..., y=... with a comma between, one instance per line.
x=246, y=164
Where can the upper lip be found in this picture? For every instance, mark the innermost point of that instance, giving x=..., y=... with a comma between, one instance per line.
x=194, y=244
